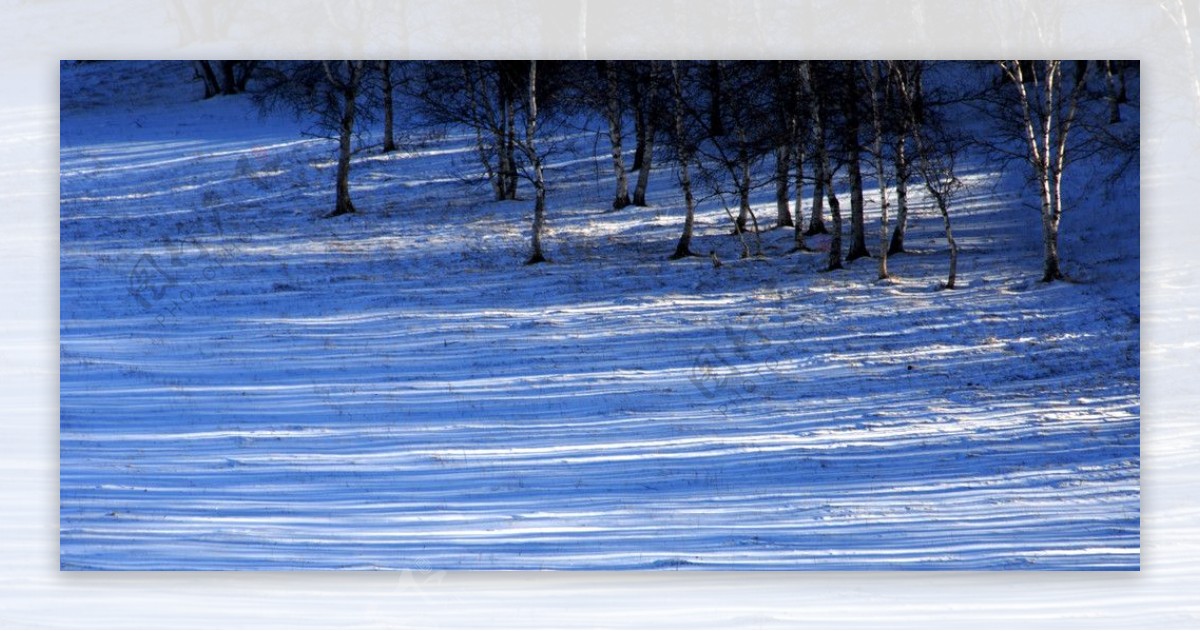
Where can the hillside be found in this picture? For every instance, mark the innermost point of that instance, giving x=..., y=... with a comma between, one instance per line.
x=246, y=385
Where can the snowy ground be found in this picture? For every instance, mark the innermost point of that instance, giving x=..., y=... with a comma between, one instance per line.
x=244, y=385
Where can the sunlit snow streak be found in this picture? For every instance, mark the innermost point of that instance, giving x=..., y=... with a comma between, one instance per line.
x=271, y=391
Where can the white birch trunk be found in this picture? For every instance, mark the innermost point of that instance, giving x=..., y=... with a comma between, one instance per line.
x=613, y=111
x=683, y=248
x=539, y=183
x=880, y=174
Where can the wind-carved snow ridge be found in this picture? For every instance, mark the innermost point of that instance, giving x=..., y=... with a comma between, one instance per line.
x=246, y=386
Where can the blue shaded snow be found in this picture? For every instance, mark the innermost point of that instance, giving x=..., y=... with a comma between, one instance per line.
x=245, y=386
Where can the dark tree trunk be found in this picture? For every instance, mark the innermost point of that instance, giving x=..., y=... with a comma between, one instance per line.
x=503, y=155
x=1122, y=93
x=639, y=130
x=643, y=159
x=641, y=90
x=716, y=126
x=858, y=240
x=639, y=192
x=896, y=246
x=389, y=117
x=212, y=87
x=507, y=142
x=228, y=82
x=799, y=225
x=835, y=214
x=783, y=200
x=743, y=189
x=349, y=90
x=918, y=93
x=244, y=77
x=510, y=151
x=509, y=148
x=816, y=223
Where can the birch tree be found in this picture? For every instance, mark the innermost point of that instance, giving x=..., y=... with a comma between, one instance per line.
x=786, y=102
x=1047, y=109
x=909, y=73
x=530, y=149
x=936, y=152
x=823, y=190
x=479, y=96
x=876, y=79
x=683, y=151
x=614, y=115
x=801, y=88
x=816, y=222
x=850, y=137
x=344, y=77
x=647, y=102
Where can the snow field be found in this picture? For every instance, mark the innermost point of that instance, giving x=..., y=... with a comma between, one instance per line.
x=245, y=386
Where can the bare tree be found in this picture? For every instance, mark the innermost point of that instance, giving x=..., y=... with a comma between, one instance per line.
x=823, y=189
x=816, y=221
x=785, y=111
x=234, y=77
x=483, y=119
x=900, y=165
x=876, y=80
x=937, y=151
x=727, y=161
x=1047, y=111
x=614, y=115
x=345, y=77
x=801, y=91
x=853, y=146
x=389, y=108
x=647, y=103
x=783, y=164
x=212, y=85
x=910, y=73
x=482, y=96
x=798, y=224
x=835, y=215
x=328, y=95
x=535, y=158
x=506, y=139
x=683, y=150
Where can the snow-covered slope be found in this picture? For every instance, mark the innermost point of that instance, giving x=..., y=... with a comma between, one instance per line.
x=244, y=385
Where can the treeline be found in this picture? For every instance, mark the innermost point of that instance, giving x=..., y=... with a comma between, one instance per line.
x=730, y=128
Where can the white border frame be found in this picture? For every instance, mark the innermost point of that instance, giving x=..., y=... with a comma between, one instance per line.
x=35, y=35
